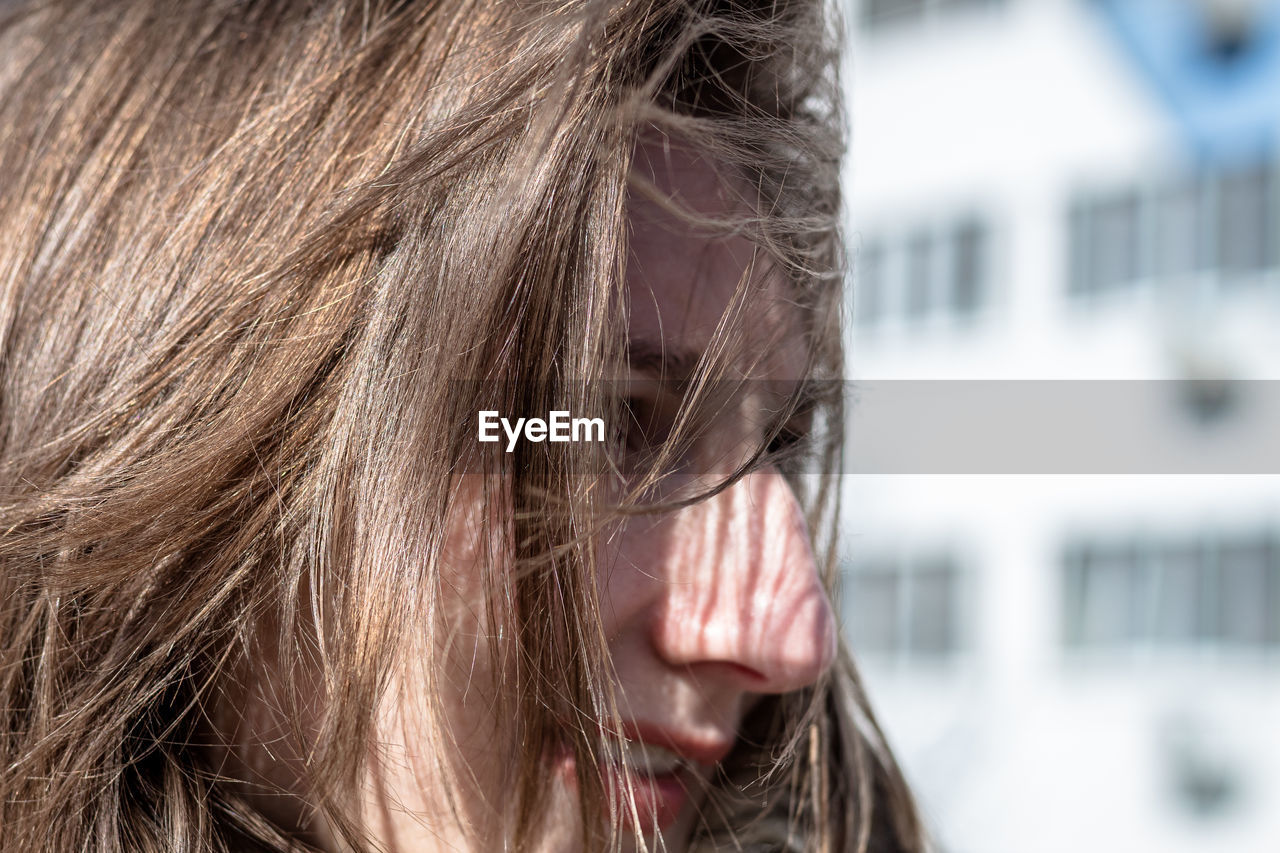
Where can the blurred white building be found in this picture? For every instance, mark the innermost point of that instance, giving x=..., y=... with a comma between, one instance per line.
x=1071, y=189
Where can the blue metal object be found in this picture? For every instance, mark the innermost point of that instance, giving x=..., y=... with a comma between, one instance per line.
x=1223, y=88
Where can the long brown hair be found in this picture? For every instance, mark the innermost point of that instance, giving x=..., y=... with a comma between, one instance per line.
x=248, y=250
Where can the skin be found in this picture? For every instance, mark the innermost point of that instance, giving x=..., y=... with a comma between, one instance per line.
x=706, y=609
x=710, y=607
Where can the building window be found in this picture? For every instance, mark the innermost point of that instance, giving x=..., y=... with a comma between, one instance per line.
x=1104, y=237
x=968, y=266
x=919, y=276
x=903, y=608
x=1221, y=224
x=1178, y=244
x=1176, y=592
x=934, y=272
x=875, y=15
x=1245, y=218
x=868, y=293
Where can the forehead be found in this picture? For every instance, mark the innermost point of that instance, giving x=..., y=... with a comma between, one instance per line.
x=687, y=270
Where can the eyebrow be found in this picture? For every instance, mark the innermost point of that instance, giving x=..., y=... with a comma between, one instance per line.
x=660, y=359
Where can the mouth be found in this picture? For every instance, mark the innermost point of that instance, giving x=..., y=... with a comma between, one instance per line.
x=651, y=774
x=649, y=785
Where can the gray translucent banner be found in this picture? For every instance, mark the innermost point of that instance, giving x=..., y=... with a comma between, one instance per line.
x=1063, y=427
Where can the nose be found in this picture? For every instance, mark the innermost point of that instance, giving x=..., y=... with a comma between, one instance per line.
x=742, y=596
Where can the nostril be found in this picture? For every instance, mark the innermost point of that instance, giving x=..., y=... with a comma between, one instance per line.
x=753, y=677
x=731, y=672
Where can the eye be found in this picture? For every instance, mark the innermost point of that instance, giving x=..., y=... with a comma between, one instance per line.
x=644, y=424
x=792, y=438
x=786, y=439
x=635, y=415
x=788, y=442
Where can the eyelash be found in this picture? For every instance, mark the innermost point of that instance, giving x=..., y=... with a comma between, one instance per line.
x=637, y=416
x=788, y=438
x=640, y=415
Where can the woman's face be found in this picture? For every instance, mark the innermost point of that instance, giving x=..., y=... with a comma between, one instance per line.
x=705, y=609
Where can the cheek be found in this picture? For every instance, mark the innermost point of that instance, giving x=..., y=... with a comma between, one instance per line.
x=677, y=551
x=468, y=548
x=436, y=729
x=631, y=561
x=463, y=653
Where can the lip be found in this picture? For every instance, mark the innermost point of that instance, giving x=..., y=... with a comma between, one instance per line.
x=652, y=801
x=648, y=802
x=692, y=748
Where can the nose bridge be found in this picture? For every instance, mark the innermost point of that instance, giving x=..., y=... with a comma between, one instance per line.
x=746, y=591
